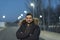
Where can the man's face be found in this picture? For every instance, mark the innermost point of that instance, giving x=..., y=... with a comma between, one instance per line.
x=29, y=19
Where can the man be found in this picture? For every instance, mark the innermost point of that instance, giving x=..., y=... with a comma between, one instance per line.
x=29, y=29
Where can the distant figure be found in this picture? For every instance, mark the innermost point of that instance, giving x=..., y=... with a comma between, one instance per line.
x=29, y=28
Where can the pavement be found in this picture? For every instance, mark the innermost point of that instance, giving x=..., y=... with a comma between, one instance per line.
x=2, y=28
x=50, y=35
x=8, y=34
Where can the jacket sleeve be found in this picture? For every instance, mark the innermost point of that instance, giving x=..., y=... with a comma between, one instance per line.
x=20, y=34
x=36, y=34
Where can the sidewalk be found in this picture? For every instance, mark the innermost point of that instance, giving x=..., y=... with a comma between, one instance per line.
x=50, y=35
x=2, y=28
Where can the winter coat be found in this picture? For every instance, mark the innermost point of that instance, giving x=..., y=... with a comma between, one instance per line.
x=31, y=33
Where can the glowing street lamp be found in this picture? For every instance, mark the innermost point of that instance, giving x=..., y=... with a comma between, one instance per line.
x=32, y=4
x=21, y=14
x=19, y=17
x=40, y=16
x=3, y=16
x=25, y=11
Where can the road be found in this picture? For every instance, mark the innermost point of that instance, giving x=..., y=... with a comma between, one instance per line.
x=8, y=33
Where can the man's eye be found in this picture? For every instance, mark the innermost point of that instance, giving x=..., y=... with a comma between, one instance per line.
x=30, y=18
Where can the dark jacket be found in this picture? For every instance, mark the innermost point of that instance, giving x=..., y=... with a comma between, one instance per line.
x=32, y=33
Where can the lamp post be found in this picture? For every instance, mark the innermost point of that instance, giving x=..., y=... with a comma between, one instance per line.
x=4, y=17
x=40, y=16
x=32, y=5
x=59, y=19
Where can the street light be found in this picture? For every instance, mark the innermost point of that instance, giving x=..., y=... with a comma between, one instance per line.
x=32, y=4
x=40, y=16
x=25, y=11
x=19, y=17
x=3, y=16
x=21, y=14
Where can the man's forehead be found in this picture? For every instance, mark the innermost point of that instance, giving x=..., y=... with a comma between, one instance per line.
x=29, y=16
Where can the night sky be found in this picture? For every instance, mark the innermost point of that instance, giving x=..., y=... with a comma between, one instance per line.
x=13, y=8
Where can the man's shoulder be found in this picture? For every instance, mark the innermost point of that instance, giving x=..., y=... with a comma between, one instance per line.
x=37, y=26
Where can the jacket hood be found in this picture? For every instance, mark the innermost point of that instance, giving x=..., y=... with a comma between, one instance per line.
x=36, y=21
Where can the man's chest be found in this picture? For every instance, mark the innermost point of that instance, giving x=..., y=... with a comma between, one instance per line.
x=26, y=28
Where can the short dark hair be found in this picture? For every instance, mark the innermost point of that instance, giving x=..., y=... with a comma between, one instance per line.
x=29, y=14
